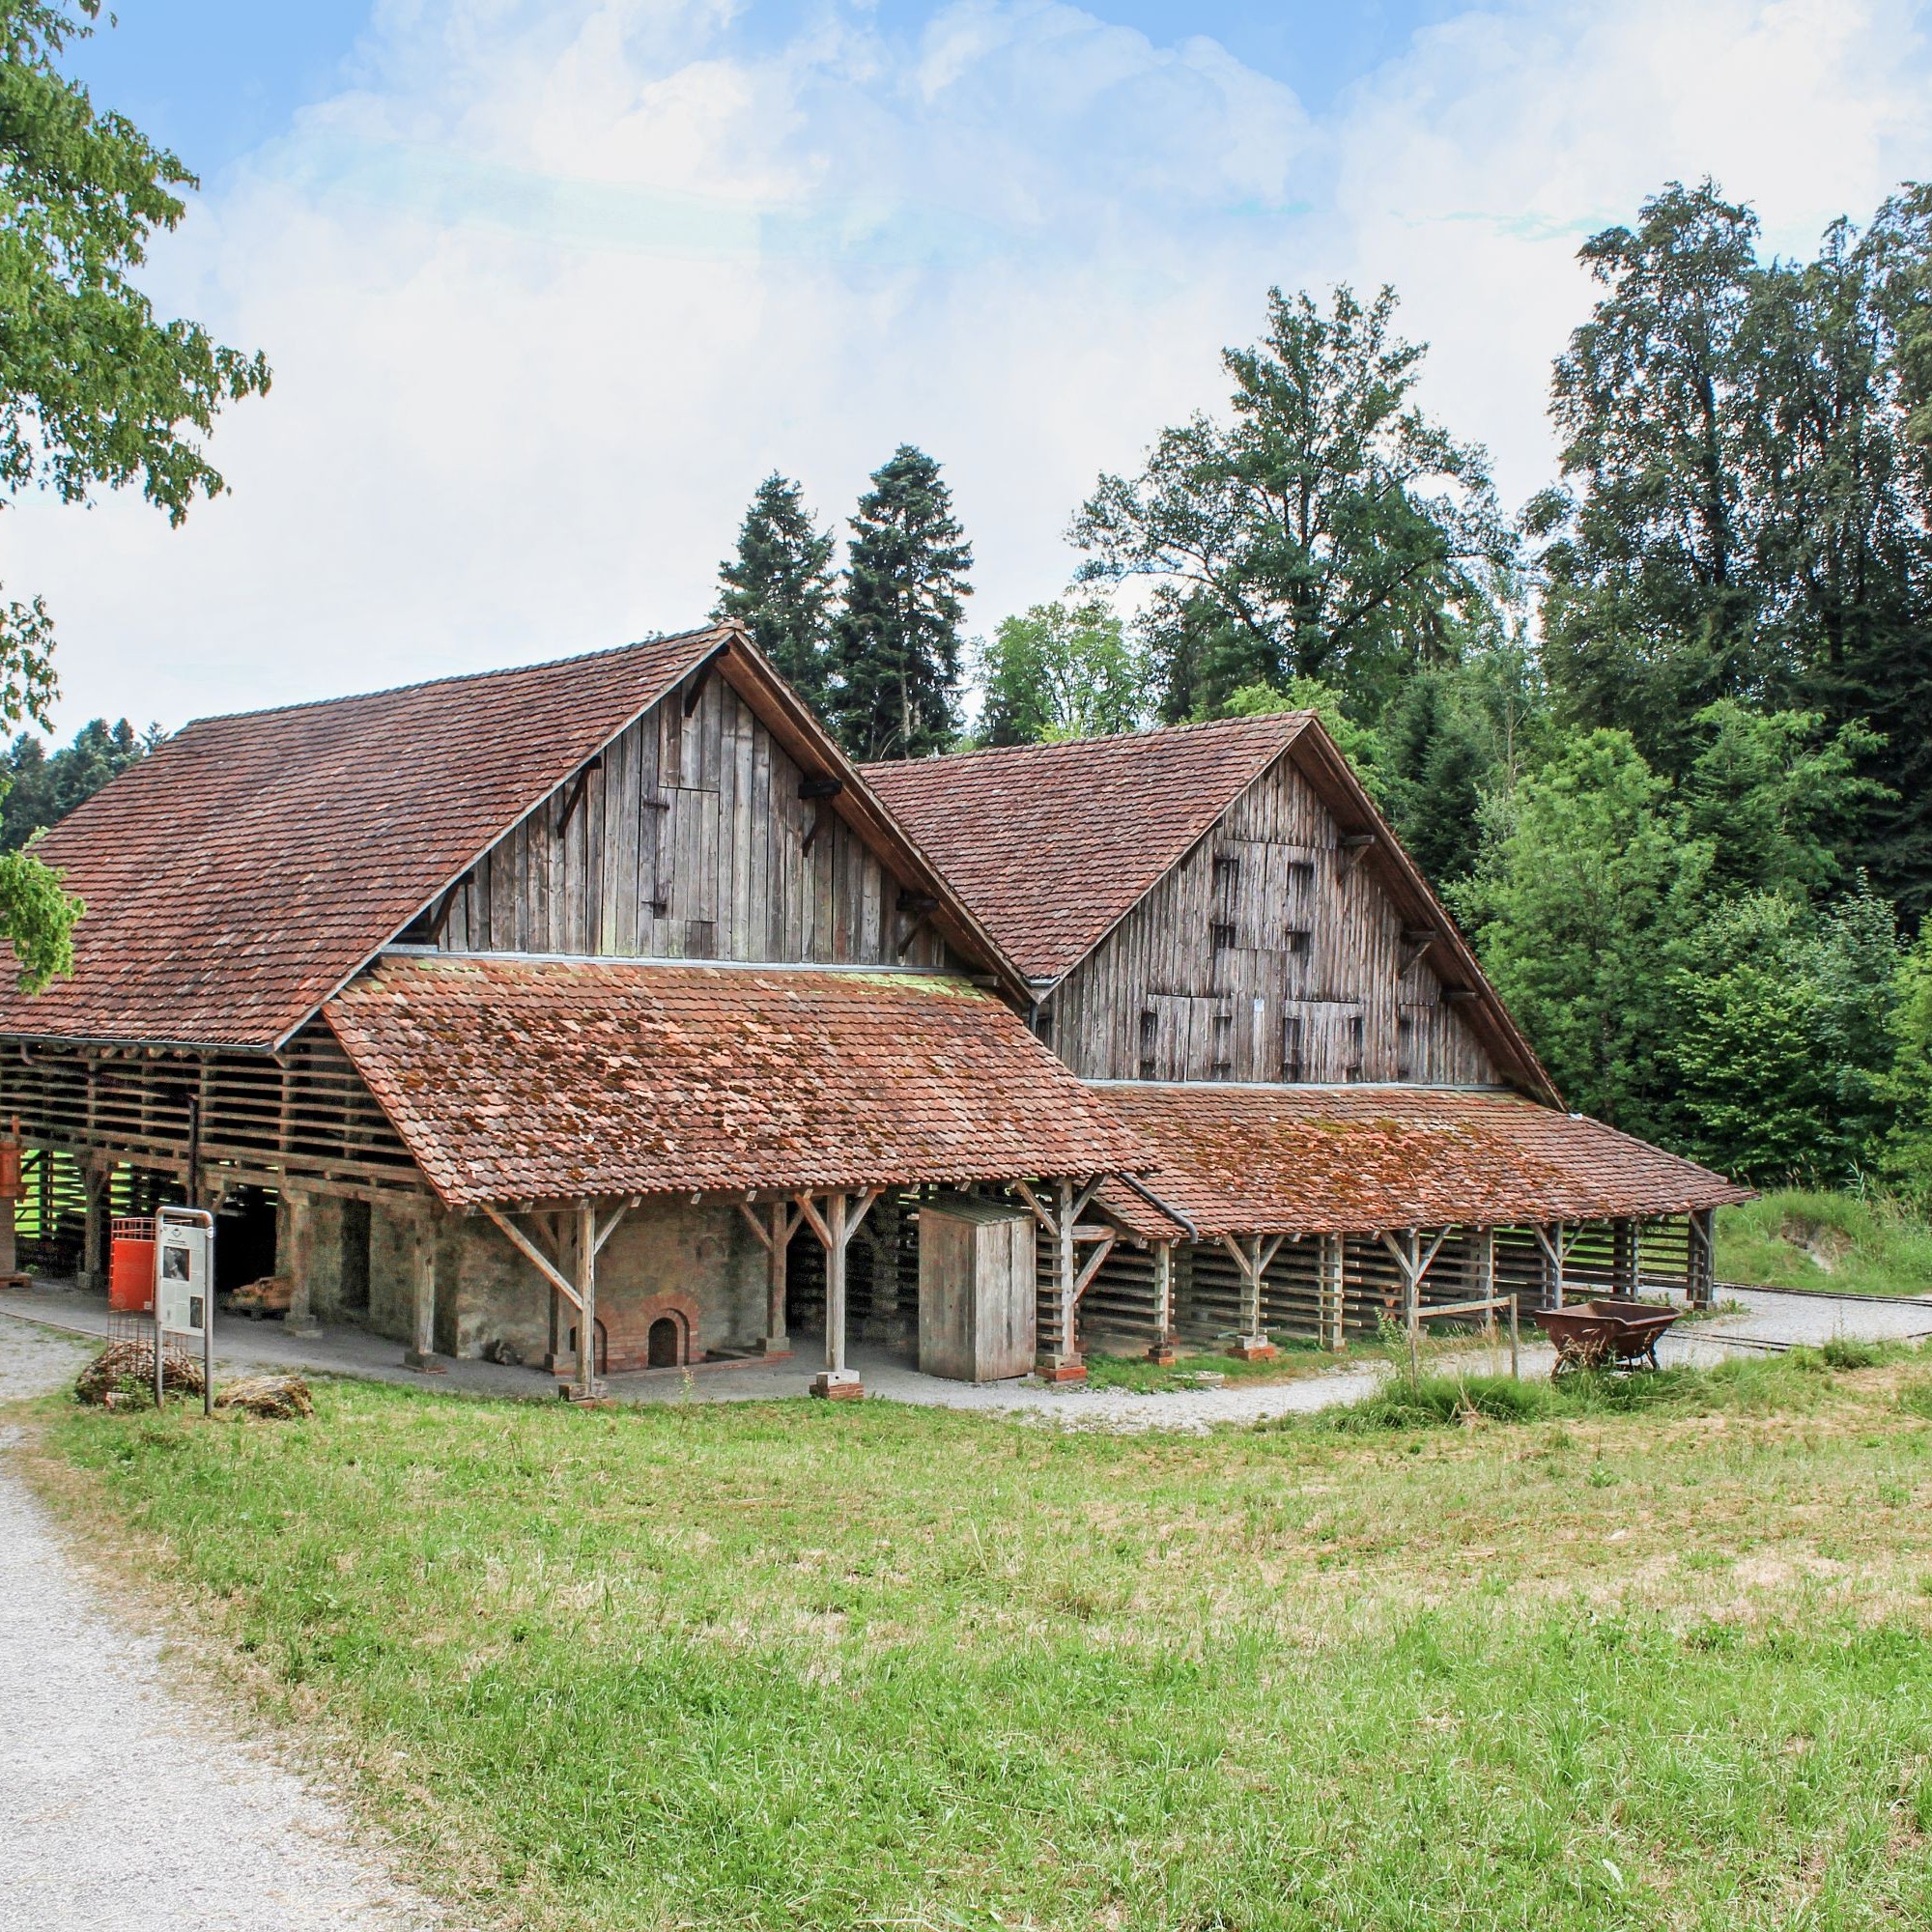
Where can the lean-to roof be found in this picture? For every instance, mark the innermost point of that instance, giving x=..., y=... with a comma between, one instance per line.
x=1051, y=846
x=515, y=1079
x=1362, y=1159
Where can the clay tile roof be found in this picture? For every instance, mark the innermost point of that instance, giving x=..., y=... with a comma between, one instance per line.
x=1051, y=844
x=238, y=875
x=516, y=1079
x=1360, y=1159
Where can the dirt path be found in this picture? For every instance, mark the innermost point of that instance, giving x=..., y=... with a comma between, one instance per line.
x=127, y=1812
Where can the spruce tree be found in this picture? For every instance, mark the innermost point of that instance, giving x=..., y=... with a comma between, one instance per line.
x=895, y=647
x=780, y=586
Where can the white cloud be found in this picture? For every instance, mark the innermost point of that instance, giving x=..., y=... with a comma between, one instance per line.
x=551, y=288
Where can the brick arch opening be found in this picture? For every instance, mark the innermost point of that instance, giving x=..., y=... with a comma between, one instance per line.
x=668, y=1344
x=657, y=1331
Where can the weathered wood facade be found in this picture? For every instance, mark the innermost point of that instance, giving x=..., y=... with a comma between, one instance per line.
x=693, y=834
x=1272, y=952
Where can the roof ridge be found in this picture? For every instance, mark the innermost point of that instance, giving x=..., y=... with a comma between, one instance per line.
x=1042, y=746
x=456, y=677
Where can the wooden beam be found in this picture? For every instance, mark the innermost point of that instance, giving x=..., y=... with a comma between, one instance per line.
x=1093, y=1268
x=574, y=797
x=1353, y=845
x=815, y=1221
x=529, y=1249
x=694, y=690
x=610, y=1227
x=1040, y=1213
x=587, y=1245
x=757, y=1227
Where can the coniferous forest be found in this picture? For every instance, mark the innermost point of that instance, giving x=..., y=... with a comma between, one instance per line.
x=1660, y=736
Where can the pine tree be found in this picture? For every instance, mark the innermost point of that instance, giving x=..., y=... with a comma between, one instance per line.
x=780, y=586
x=895, y=647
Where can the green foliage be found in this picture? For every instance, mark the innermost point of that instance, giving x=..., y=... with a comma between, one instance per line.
x=1584, y=892
x=40, y=790
x=1781, y=1039
x=1360, y=744
x=1774, y=795
x=1327, y=529
x=1908, y=1082
x=896, y=657
x=95, y=389
x=780, y=586
x=1062, y=671
x=1745, y=509
x=39, y=918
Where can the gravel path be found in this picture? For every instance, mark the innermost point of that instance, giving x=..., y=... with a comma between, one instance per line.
x=127, y=1810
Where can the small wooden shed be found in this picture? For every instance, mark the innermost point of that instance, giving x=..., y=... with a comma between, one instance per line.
x=977, y=1306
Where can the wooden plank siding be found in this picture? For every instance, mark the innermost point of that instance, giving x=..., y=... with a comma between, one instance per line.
x=687, y=842
x=1268, y=953
x=303, y=1115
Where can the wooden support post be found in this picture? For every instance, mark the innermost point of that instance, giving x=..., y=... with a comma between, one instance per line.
x=1413, y=1263
x=421, y=1353
x=586, y=1244
x=1702, y=1268
x=774, y=1227
x=1252, y=1345
x=835, y=1224
x=777, y=1344
x=296, y=1259
x=1329, y=1294
x=1623, y=1256
x=1163, y=1351
x=1059, y=1358
x=10, y=1254
x=96, y=1183
x=1556, y=1251
x=1485, y=1257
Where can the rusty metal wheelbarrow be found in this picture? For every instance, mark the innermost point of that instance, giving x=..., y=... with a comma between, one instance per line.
x=1611, y=1334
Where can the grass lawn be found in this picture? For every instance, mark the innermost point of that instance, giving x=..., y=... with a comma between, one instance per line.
x=1795, y=1238
x=828, y=1666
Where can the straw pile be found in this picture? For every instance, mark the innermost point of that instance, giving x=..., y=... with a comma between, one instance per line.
x=130, y=1365
x=278, y=1398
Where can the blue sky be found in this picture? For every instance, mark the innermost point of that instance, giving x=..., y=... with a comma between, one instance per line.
x=549, y=285
x=216, y=79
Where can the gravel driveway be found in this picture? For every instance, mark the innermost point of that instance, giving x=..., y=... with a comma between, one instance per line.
x=127, y=1810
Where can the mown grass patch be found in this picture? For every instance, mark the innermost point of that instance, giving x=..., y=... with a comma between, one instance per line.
x=1796, y=1238
x=796, y=1665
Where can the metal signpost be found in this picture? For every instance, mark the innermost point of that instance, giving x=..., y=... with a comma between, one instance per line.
x=184, y=1291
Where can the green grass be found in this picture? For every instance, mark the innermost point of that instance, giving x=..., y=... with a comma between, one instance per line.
x=1300, y=1356
x=795, y=1664
x=1796, y=1238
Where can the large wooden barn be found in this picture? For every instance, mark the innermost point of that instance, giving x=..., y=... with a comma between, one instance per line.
x=1221, y=934
x=599, y=998
x=602, y=1015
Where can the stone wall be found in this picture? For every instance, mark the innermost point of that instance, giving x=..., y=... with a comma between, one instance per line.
x=700, y=1266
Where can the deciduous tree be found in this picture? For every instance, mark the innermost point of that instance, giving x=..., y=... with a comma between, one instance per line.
x=1326, y=528
x=96, y=391
x=1060, y=671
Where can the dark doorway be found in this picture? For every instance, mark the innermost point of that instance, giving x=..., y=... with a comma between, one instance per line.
x=664, y=1345
x=244, y=1239
x=355, y=1256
